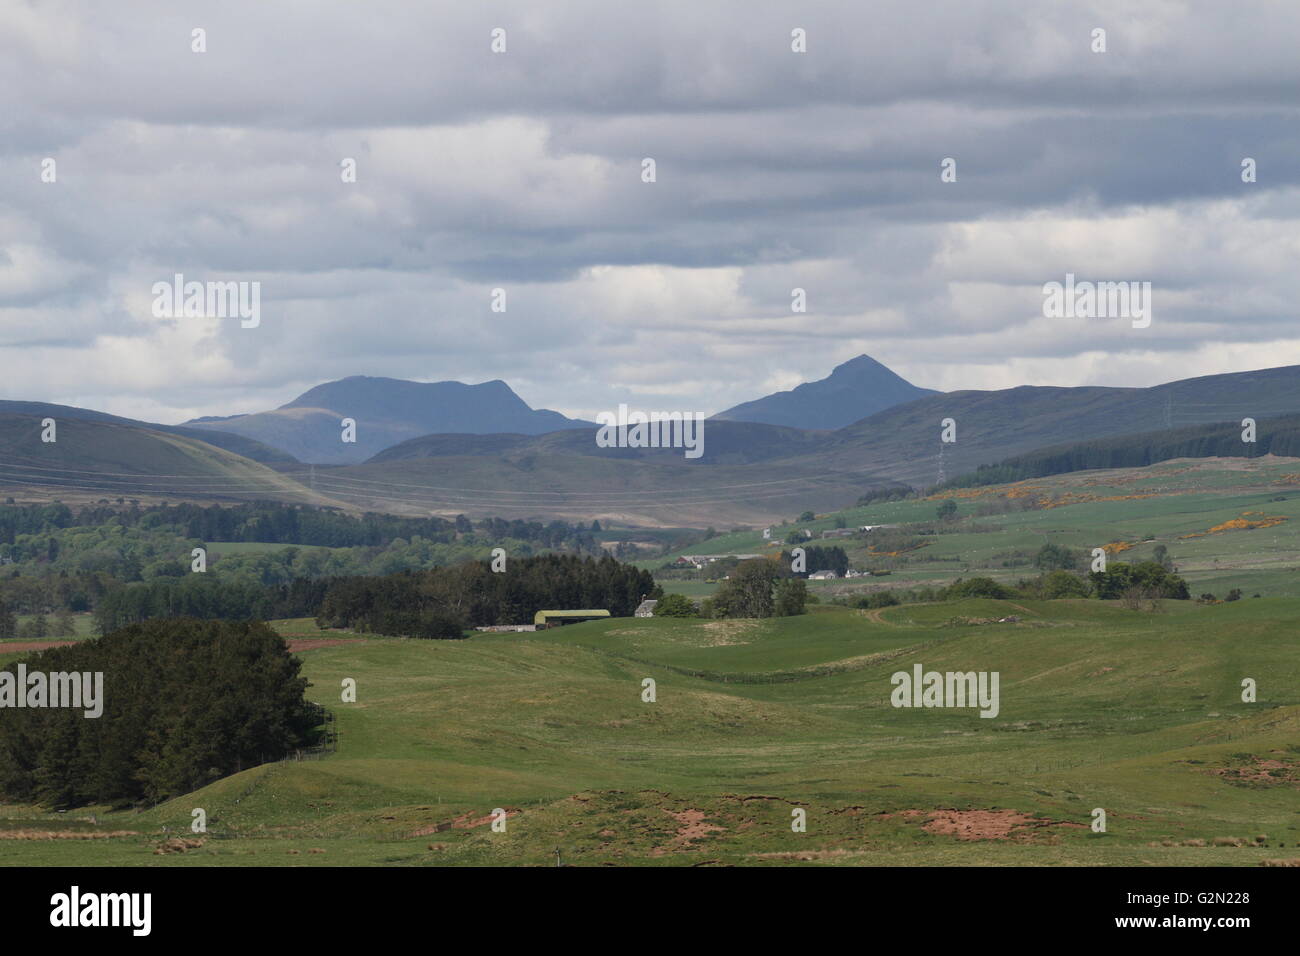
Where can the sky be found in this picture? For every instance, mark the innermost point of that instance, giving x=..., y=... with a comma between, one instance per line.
x=522, y=170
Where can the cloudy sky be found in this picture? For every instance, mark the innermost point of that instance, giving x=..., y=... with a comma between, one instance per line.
x=522, y=170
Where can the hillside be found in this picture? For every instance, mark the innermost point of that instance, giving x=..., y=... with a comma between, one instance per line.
x=904, y=442
x=1223, y=522
x=725, y=443
x=541, y=485
x=92, y=459
x=239, y=444
x=854, y=390
x=753, y=719
x=1280, y=437
x=387, y=411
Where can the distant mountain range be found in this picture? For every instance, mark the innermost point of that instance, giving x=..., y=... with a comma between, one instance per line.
x=854, y=390
x=386, y=411
x=417, y=451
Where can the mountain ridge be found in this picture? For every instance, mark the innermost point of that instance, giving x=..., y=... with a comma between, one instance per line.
x=854, y=390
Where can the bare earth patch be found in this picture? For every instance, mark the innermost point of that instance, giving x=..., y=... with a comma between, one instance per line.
x=983, y=824
x=1261, y=772
x=466, y=821
x=691, y=827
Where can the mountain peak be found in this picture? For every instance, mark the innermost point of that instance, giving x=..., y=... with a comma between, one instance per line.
x=388, y=411
x=854, y=390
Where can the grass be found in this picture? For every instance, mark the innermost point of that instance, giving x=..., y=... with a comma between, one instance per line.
x=85, y=625
x=1133, y=712
x=1175, y=504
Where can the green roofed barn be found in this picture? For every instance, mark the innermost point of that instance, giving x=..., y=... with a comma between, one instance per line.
x=556, y=618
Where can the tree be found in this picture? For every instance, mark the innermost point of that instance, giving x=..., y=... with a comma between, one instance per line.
x=8, y=622
x=37, y=629
x=675, y=605
x=1161, y=557
x=977, y=588
x=748, y=592
x=1054, y=557
x=807, y=516
x=947, y=511
x=1063, y=584
x=65, y=625
x=791, y=594
x=1135, y=583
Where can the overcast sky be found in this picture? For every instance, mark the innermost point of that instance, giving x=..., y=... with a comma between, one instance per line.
x=523, y=170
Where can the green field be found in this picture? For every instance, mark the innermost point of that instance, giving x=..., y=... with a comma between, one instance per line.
x=1138, y=713
x=1175, y=503
x=85, y=628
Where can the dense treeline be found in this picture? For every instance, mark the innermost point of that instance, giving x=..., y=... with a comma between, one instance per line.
x=202, y=595
x=439, y=602
x=184, y=702
x=1279, y=436
x=1139, y=585
x=442, y=602
x=816, y=558
x=52, y=558
x=278, y=523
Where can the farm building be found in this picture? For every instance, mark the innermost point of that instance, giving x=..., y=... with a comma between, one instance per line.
x=822, y=576
x=545, y=619
x=646, y=609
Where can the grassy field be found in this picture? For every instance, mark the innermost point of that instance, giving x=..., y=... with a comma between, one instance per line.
x=1137, y=713
x=1177, y=504
x=85, y=624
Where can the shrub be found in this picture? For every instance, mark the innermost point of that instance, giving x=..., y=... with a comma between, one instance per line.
x=676, y=605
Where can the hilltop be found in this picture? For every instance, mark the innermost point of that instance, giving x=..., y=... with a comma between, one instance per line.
x=387, y=411
x=854, y=390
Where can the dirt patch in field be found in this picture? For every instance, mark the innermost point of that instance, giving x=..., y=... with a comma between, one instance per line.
x=466, y=821
x=690, y=827
x=313, y=643
x=1262, y=772
x=983, y=824
x=23, y=647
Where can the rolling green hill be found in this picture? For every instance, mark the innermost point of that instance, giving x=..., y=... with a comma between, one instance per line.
x=1138, y=714
x=1225, y=523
